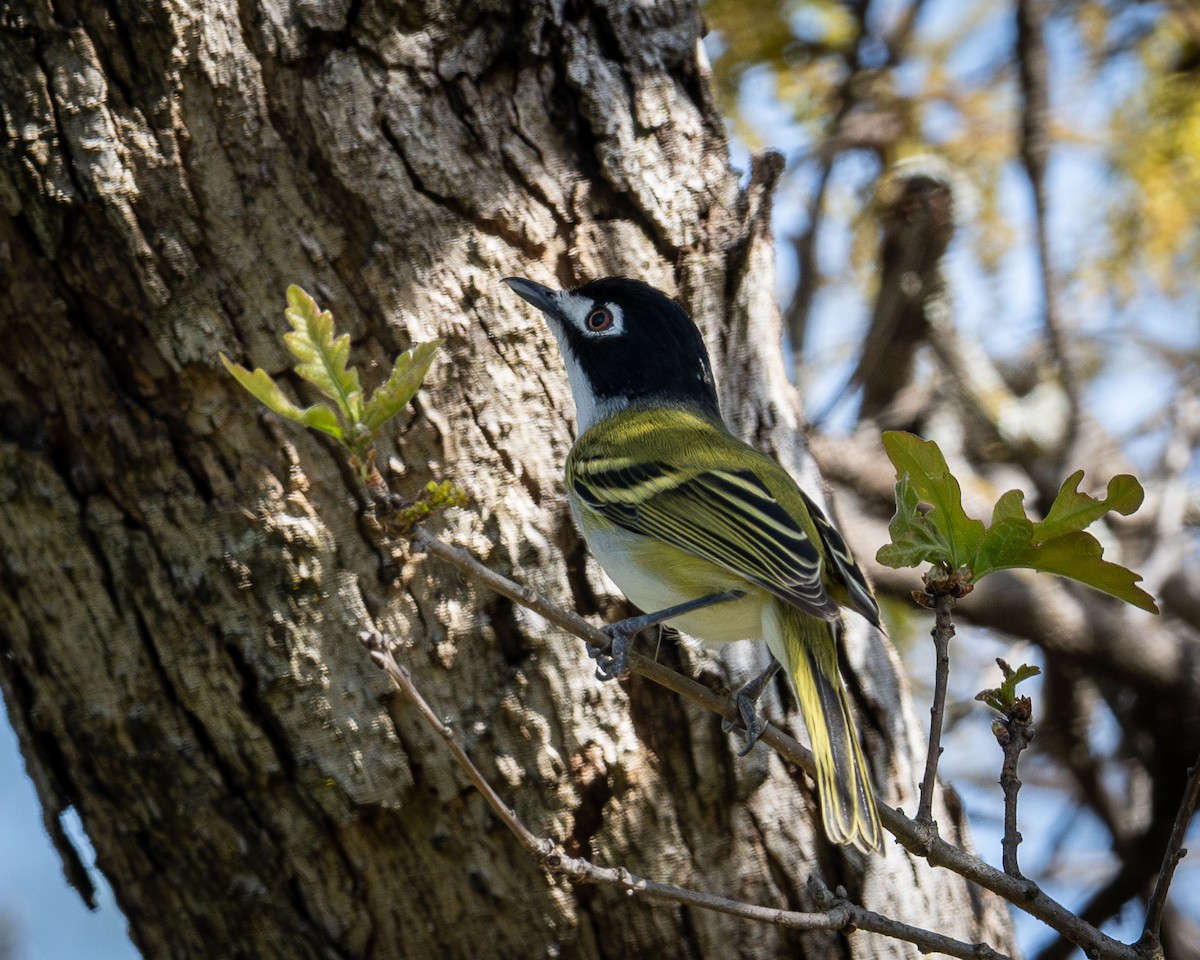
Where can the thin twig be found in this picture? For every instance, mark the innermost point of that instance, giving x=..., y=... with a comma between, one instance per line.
x=381, y=655
x=530, y=599
x=839, y=913
x=943, y=631
x=575, y=624
x=1014, y=735
x=1151, y=933
x=1022, y=892
x=1033, y=73
x=866, y=919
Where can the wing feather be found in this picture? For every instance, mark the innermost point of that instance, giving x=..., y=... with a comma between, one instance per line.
x=851, y=573
x=726, y=517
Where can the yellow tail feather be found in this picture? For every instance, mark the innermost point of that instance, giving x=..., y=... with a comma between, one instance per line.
x=806, y=647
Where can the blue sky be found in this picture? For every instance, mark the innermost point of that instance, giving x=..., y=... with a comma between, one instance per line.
x=47, y=920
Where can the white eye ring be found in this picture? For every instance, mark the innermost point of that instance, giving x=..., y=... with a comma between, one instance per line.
x=599, y=320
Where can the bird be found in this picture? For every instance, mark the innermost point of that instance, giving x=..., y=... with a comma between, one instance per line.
x=699, y=529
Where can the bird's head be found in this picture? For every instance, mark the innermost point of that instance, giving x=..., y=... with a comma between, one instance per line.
x=624, y=342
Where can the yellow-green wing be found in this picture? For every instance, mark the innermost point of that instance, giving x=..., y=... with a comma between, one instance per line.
x=727, y=517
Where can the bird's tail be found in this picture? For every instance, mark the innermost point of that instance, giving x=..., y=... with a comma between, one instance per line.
x=807, y=650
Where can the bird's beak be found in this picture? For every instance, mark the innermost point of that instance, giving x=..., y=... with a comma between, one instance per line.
x=541, y=297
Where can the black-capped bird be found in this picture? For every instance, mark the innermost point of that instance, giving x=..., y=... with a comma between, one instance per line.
x=701, y=530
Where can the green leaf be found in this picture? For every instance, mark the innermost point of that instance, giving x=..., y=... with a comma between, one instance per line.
x=1008, y=689
x=319, y=416
x=323, y=357
x=914, y=539
x=1006, y=544
x=1010, y=506
x=1079, y=556
x=921, y=461
x=1058, y=544
x=1072, y=510
x=436, y=496
x=1076, y=555
x=1003, y=697
x=407, y=373
x=947, y=537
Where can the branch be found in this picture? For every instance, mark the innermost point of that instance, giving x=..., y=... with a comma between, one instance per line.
x=943, y=631
x=381, y=655
x=1014, y=735
x=1010, y=783
x=1019, y=891
x=1151, y=940
x=839, y=913
x=575, y=624
x=1033, y=71
x=926, y=941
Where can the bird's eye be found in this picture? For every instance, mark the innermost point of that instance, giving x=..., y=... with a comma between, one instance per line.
x=599, y=319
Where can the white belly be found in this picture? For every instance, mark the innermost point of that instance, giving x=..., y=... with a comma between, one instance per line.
x=655, y=576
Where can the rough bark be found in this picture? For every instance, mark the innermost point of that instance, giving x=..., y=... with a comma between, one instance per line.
x=183, y=575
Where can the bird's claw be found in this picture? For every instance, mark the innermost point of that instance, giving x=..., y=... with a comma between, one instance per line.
x=755, y=726
x=747, y=703
x=613, y=662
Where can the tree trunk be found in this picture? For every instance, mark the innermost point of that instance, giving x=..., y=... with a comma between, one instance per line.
x=184, y=574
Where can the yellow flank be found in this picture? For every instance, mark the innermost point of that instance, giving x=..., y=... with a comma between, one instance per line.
x=655, y=576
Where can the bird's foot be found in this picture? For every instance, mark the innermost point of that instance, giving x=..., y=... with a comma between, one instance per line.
x=747, y=704
x=613, y=662
x=752, y=720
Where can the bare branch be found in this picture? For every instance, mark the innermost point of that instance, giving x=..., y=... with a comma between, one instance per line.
x=1019, y=891
x=1033, y=71
x=381, y=655
x=1014, y=734
x=925, y=940
x=1151, y=934
x=943, y=631
x=840, y=913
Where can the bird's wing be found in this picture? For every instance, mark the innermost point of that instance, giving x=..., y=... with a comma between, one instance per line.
x=861, y=597
x=727, y=517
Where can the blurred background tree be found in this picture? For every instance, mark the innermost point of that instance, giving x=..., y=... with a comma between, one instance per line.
x=986, y=234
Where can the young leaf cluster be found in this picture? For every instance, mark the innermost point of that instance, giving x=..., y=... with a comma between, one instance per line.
x=322, y=360
x=1003, y=698
x=944, y=535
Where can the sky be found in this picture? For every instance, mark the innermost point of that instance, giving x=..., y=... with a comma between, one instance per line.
x=45, y=918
